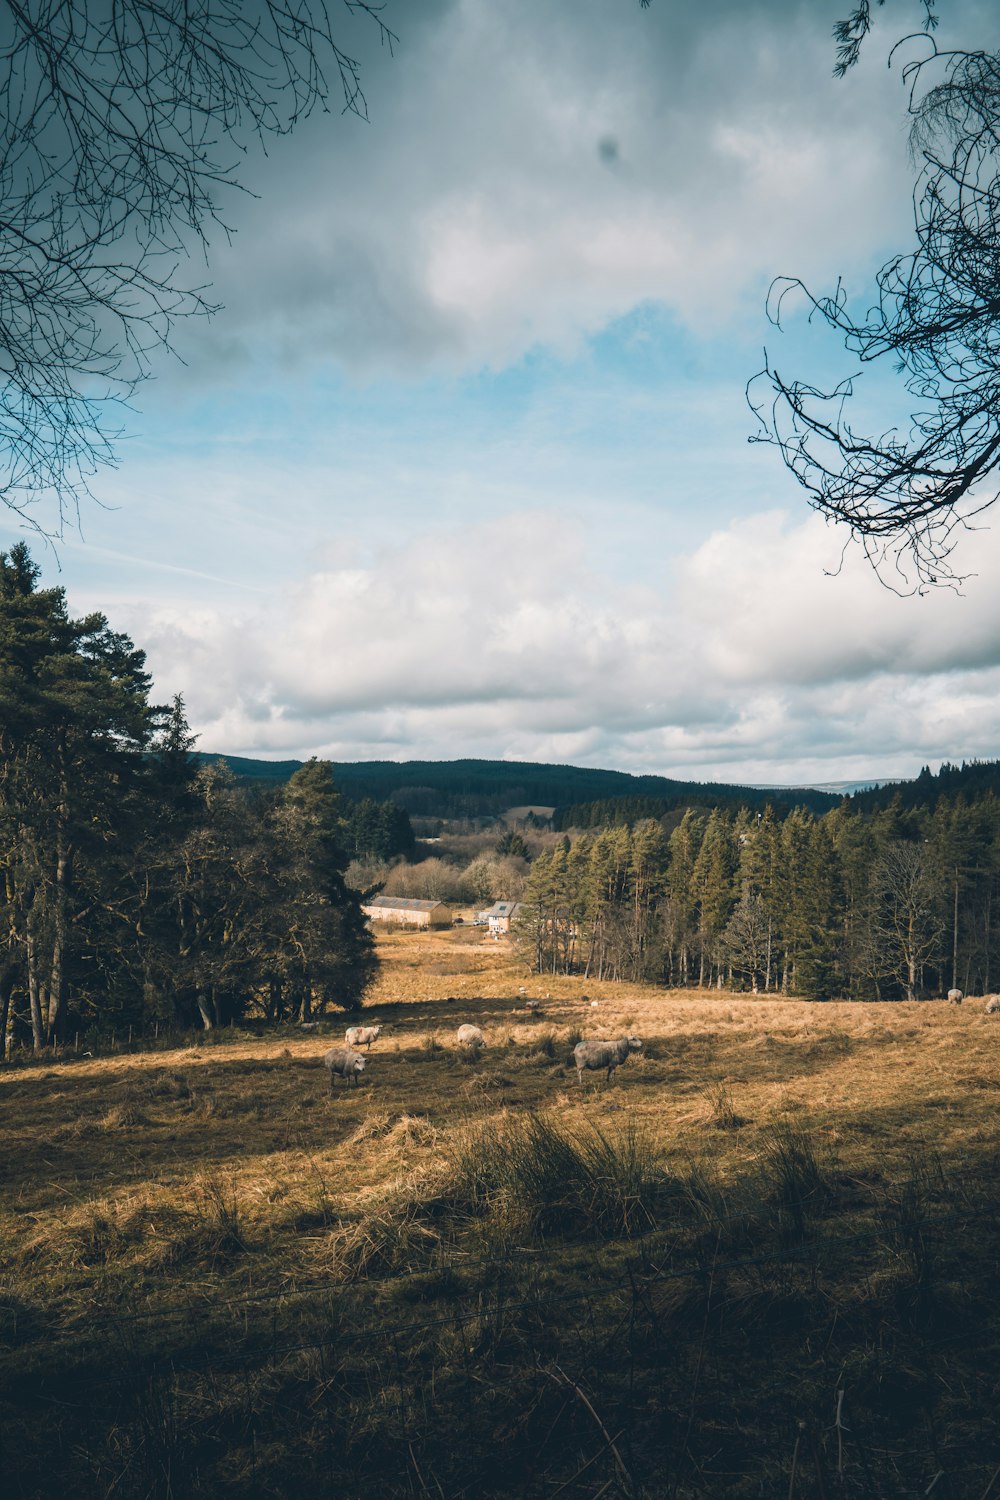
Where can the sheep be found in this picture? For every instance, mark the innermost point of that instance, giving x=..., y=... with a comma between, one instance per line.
x=345, y=1064
x=470, y=1036
x=955, y=997
x=993, y=1005
x=532, y=1005
x=595, y=1054
x=362, y=1036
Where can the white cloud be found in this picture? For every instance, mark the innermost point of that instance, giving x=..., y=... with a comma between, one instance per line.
x=500, y=640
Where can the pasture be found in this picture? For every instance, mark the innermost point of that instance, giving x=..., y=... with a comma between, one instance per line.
x=762, y=1262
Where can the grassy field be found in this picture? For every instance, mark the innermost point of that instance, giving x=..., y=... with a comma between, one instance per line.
x=763, y=1262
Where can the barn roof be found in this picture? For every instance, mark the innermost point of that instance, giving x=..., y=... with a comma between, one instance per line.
x=403, y=903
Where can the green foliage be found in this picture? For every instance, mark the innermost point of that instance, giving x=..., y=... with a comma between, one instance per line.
x=896, y=904
x=134, y=887
x=376, y=830
x=511, y=845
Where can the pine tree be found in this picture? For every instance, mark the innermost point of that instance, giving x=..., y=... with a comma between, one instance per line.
x=74, y=723
x=713, y=889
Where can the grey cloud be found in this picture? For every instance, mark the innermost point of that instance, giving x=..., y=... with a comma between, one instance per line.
x=473, y=218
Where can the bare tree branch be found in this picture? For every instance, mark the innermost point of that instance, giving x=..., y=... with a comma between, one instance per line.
x=906, y=495
x=125, y=122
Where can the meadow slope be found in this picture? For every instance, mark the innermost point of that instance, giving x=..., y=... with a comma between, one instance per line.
x=471, y=1276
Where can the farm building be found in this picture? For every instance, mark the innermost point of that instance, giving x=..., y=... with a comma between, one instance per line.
x=500, y=916
x=407, y=911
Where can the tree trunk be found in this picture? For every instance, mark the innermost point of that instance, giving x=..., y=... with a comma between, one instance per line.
x=986, y=939
x=954, y=940
x=206, y=1014
x=57, y=973
x=7, y=981
x=34, y=993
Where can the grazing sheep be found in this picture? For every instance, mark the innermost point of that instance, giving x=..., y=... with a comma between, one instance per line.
x=532, y=1005
x=470, y=1036
x=345, y=1064
x=993, y=1005
x=362, y=1036
x=955, y=997
x=594, y=1054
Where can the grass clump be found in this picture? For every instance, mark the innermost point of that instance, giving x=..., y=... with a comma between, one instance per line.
x=722, y=1109
x=560, y=1181
x=792, y=1181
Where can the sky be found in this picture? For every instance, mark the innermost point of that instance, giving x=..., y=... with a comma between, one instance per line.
x=461, y=468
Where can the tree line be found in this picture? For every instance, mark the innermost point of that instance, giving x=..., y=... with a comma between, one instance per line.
x=135, y=886
x=899, y=903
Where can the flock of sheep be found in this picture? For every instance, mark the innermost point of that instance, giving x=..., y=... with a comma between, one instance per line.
x=591, y=1056
x=955, y=997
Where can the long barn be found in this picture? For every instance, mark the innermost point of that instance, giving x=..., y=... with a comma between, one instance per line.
x=407, y=911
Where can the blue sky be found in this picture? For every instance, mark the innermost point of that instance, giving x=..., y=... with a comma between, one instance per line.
x=462, y=467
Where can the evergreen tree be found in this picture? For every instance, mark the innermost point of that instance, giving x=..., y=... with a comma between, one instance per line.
x=712, y=885
x=75, y=720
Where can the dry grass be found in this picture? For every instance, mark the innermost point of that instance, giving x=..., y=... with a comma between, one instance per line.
x=747, y=1221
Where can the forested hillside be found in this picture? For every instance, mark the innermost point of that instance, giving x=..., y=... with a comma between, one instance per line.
x=893, y=904
x=624, y=812
x=486, y=788
x=137, y=887
x=972, y=780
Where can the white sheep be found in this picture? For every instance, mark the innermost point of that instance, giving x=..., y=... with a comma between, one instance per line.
x=993, y=1005
x=362, y=1036
x=955, y=997
x=345, y=1064
x=470, y=1036
x=595, y=1054
x=532, y=1005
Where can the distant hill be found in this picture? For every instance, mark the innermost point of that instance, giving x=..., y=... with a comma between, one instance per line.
x=972, y=780
x=252, y=770
x=839, y=788
x=487, y=788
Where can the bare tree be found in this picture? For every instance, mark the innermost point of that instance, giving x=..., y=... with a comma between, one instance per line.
x=908, y=923
x=906, y=495
x=747, y=940
x=124, y=123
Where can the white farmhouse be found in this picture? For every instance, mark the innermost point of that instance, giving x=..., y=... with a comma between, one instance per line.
x=407, y=911
x=501, y=915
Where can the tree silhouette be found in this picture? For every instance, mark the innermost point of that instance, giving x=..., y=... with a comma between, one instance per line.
x=124, y=123
x=906, y=495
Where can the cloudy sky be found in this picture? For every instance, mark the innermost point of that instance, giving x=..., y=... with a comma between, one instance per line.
x=462, y=468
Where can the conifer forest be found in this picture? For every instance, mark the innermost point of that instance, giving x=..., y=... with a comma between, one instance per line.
x=139, y=890
x=894, y=903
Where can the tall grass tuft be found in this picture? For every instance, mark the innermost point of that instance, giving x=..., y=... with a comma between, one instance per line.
x=905, y=1224
x=729, y=1213
x=223, y=1233
x=792, y=1181
x=722, y=1109
x=560, y=1182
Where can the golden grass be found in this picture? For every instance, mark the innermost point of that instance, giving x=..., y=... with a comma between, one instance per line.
x=192, y=1201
